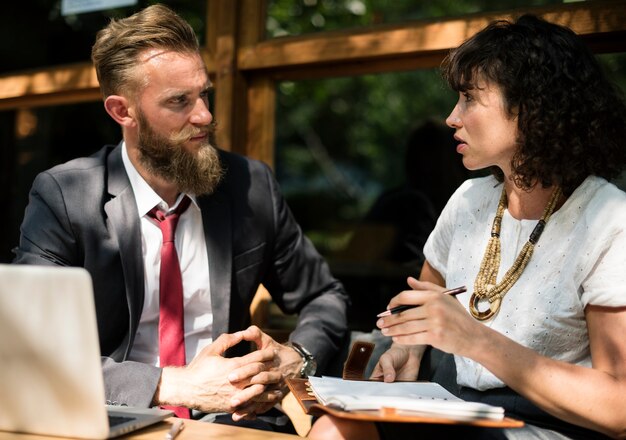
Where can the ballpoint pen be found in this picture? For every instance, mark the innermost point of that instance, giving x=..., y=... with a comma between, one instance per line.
x=396, y=310
x=177, y=426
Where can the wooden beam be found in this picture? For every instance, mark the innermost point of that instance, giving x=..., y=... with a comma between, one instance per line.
x=210, y=36
x=46, y=100
x=256, y=118
x=252, y=17
x=238, y=23
x=225, y=76
x=404, y=41
x=45, y=86
x=261, y=125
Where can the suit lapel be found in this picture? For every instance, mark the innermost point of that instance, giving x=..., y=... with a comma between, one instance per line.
x=123, y=217
x=216, y=219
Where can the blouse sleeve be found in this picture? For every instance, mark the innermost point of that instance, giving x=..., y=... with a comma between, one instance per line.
x=437, y=247
x=605, y=284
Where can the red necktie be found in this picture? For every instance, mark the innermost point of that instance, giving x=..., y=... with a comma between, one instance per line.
x=171, y=319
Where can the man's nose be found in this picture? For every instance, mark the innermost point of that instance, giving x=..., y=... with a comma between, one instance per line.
x=201, y=114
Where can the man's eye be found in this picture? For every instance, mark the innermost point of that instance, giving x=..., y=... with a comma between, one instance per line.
x=179, y=100
x=467, y=97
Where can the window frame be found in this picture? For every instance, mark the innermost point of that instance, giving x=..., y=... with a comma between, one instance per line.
x=245, y=67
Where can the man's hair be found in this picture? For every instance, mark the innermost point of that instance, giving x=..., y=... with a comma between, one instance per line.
x=116, y=52
x=570, y=117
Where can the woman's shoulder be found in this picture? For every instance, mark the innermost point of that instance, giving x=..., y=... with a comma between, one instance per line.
x=481, y=184
x=475, y=198
x=596, y=193
x=477, y=192
x=598, y=202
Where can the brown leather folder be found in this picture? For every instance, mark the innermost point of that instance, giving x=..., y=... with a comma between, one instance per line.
x=354, y=369
x=359, y=356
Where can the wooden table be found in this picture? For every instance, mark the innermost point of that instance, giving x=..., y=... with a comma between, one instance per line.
x=193, y=430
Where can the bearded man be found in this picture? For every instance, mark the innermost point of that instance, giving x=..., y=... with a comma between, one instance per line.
x=234, y=231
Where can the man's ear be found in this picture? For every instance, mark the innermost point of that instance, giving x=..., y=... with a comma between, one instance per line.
x=118, y=107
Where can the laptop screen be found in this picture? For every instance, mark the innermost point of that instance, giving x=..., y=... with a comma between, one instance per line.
x=51, y=376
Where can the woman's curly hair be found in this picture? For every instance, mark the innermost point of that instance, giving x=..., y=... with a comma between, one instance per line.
x=571, y=119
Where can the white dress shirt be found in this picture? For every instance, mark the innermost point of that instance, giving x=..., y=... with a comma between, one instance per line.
x=194, y=266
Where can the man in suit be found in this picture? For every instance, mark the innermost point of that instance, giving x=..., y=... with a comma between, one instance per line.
x=237, y=233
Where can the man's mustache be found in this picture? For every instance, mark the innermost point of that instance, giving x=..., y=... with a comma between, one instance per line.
x=189, y=132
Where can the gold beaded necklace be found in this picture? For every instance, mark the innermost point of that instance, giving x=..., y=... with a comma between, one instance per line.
x=485, y=286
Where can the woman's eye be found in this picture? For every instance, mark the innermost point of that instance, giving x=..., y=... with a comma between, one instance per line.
x=467, y=97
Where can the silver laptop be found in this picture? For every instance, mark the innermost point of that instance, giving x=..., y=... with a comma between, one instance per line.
x=50, y=373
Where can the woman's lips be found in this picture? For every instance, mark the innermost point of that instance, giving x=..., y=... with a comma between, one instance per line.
x=462, y=145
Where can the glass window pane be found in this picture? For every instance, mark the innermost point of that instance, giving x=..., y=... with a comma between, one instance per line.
x=46, y=38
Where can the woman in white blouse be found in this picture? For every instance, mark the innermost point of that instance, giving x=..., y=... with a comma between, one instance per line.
x=540, y=245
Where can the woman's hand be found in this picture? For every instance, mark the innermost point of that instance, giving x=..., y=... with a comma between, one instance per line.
x=399, y=363
x=439, y=320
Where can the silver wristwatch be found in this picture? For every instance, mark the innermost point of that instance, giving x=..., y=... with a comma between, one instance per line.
x=309, y=365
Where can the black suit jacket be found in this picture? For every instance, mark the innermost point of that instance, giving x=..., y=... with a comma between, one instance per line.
x=83, y=213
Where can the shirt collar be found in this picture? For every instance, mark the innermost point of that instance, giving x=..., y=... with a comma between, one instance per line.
x=145, y=197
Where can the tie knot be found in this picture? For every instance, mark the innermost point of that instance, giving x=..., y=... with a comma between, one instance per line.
x=167, y=222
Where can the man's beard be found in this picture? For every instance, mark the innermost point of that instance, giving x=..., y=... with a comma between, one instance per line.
x=195, y=173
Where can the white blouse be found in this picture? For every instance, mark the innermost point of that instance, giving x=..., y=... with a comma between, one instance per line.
x=580, y=259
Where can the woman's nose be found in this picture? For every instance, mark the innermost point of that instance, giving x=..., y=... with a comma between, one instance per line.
x=453, y=120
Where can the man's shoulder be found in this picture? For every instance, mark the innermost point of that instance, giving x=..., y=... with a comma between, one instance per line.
x=237, y=166
x=88, y=164
x=238, y=160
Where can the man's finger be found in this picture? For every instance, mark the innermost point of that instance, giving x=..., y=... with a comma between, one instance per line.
x=245, y=373
x=246, y=412
x=265, y=355
x=267, y=378
x=251, y=364
x=224, y=342
x=256, y=335
x=273, y=396
x=247, y=395
x=263, y=407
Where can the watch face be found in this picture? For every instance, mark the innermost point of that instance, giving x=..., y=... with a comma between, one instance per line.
x=309, y=367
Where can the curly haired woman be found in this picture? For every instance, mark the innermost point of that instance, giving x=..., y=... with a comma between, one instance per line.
x=540, y=246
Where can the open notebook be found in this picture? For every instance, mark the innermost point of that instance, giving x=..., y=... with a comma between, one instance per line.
x=50, y=373
x=423, y=398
